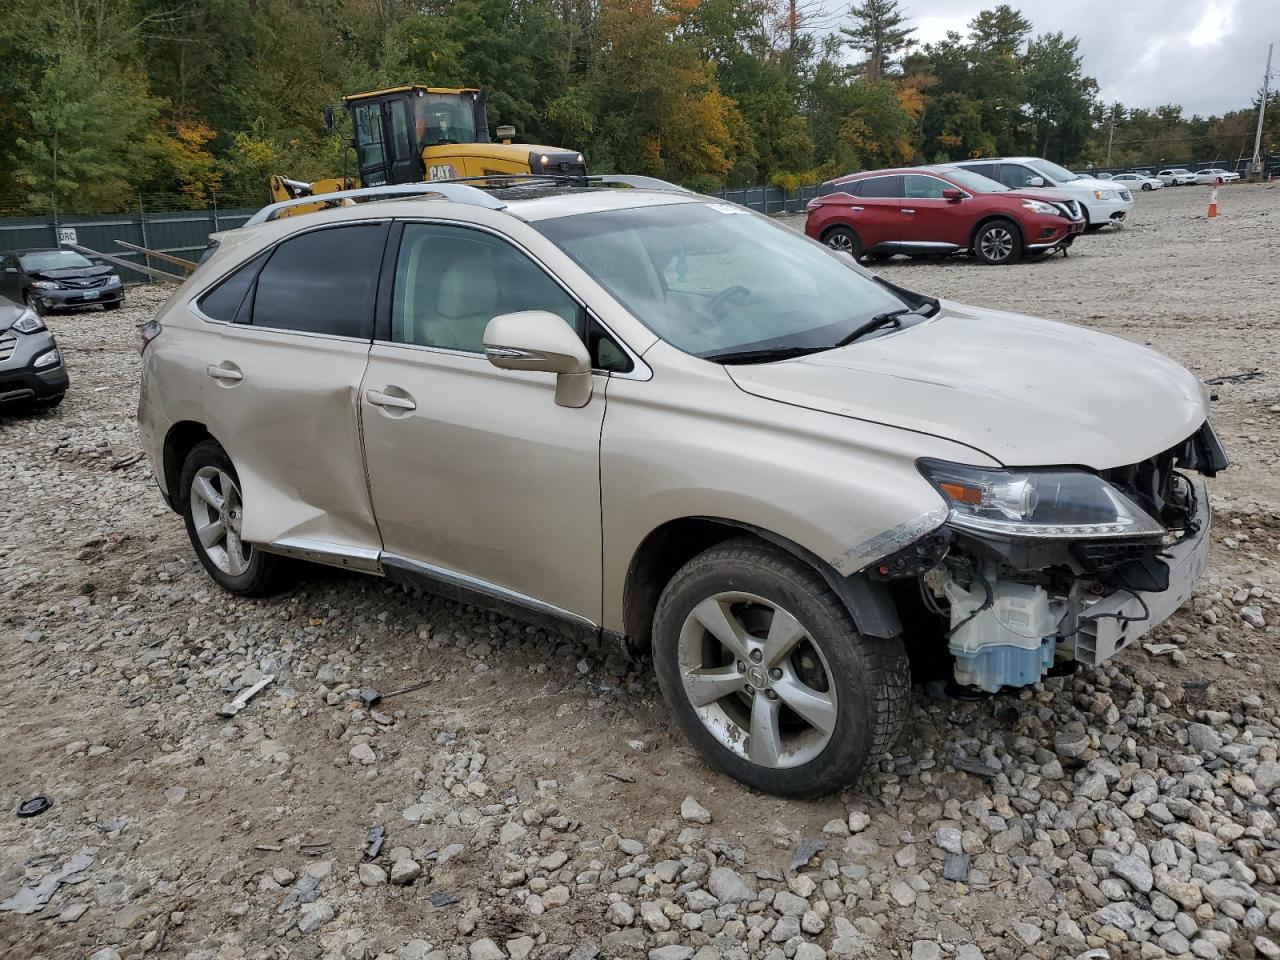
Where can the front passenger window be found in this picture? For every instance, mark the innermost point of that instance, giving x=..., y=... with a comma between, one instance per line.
x=451, y=281
x=1016, y=177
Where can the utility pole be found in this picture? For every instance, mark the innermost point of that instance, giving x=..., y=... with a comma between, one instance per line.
x=1256, y=167
x=1111, y=135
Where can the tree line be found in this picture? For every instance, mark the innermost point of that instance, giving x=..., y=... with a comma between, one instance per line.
x=102, y=100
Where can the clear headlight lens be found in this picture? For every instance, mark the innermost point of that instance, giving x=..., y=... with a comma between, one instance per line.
x=1042, y=504
x=1104, y=194
x=44, y=284
x=28, y=322
x=50, y=359
x=1039, y=206
x=113, y=280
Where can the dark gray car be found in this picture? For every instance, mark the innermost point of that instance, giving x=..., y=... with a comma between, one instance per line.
x=32, y=371
x=56, y=279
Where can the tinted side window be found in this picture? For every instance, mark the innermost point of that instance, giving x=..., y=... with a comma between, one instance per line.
x=881, y=187
x=223, y=301
x=322, y=282
x=451, y=281
x=1015, y=175
x=986, y=169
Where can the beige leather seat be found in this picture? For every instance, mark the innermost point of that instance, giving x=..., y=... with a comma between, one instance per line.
x=466, y=300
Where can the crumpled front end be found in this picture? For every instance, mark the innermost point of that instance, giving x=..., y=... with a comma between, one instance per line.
x=1035, y=569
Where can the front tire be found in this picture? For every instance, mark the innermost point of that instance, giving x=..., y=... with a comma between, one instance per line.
x=1146, y=187
x=998, y=242
x=213, y=510
x=767, y=675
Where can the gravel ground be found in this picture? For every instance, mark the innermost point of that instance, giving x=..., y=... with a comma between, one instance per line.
x=533, y=798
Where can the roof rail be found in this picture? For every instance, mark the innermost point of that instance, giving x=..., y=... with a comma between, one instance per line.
x=457, y=192
x=637, y=181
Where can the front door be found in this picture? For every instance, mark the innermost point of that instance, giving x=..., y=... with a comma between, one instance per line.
x=478, y=478
x=281, y=383
x=928, y=218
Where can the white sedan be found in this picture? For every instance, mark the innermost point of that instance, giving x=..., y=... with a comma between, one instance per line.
x=1176, y=177
x=1214, y=174
x=1135, y=181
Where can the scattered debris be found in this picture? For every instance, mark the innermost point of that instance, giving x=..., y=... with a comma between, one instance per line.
x=976, y=767
x=620, y=775
x=1235, y=377
x=443, y=898
x=373, y=841
x=34, y=807
x=409, y=689
x=128, y=461
x=244, y=696
x=1159, y=649
x=30, y=899
x=805, y=851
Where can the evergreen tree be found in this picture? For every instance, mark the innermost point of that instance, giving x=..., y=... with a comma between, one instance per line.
x=880, y=34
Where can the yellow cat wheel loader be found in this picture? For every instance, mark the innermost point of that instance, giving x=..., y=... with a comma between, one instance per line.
x=413, y=133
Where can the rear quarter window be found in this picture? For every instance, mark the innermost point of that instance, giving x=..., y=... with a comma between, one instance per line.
x=224, y=301
x=322, y=282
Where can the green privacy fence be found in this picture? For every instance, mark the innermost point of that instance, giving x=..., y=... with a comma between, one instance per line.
x=154, y=223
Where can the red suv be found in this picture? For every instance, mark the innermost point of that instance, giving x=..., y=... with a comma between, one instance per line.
x=940, y=209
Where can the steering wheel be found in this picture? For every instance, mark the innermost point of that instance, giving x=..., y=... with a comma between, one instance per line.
x=720, y=302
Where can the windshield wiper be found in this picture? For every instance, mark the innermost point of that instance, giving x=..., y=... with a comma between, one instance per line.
x=764, y=355
x=875, y=323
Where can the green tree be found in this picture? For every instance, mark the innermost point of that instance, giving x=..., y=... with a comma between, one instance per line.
x=1060, y=98
x=880, y=34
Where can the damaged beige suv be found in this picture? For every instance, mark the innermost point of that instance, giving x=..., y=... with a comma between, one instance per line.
x=661, y=419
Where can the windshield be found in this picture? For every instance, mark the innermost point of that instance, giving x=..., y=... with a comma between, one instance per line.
x=444, y=118
x=53, y=260
x=713, y=278
x=973, y=181
x=1052, y=171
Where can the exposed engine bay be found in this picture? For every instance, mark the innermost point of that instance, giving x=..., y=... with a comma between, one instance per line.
x=1016, y=604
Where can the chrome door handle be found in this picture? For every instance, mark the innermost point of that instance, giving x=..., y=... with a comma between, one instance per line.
x=380, y=399
x=856, y=209
x=908, y=210
x=223, y=373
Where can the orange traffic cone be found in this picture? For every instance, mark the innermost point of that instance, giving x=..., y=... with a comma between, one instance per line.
x=1213, y=203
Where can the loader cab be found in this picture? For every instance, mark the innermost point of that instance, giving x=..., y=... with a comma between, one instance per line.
x=391, y=128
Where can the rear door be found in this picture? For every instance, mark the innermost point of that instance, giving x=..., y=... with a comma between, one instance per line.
x=281, y=387
x=875, y=213
x=927, y=218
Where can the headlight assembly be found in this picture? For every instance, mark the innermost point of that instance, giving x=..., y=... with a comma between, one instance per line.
x=44, y=284
x=1104, y=194
x=28, y=322
x=1041, y=504
x=49, y=359
x=1039, y=206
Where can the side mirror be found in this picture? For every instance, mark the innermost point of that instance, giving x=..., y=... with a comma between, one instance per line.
x=952, y=193
x=1035, y=182
x=506, y=133
x=541, y=340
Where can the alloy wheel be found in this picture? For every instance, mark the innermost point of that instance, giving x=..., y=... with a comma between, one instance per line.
x=840, y=241
x=757, y=679
x=997, y=244
x=217, y=514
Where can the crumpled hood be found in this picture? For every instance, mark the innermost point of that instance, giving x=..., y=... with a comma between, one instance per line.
x=71, y=273
x=1025, y=391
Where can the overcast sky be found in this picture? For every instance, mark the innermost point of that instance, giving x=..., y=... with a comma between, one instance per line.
x=1207, y=56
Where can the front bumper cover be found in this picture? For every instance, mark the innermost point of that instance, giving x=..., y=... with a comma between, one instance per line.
x=1123, y=616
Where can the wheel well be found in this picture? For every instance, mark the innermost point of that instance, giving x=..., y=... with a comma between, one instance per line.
x=660, y=555
x=675, y=543
x=178, y=442
x=838, y=226
x=988, y=219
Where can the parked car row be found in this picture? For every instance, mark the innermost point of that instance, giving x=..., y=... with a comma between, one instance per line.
x=999, y=210
x=34, y=283
x=1169, y=177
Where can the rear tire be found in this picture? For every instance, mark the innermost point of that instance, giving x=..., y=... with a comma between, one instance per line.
x=213, y=511
x=998, y=242
x=843, y=240
x=797, y=703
